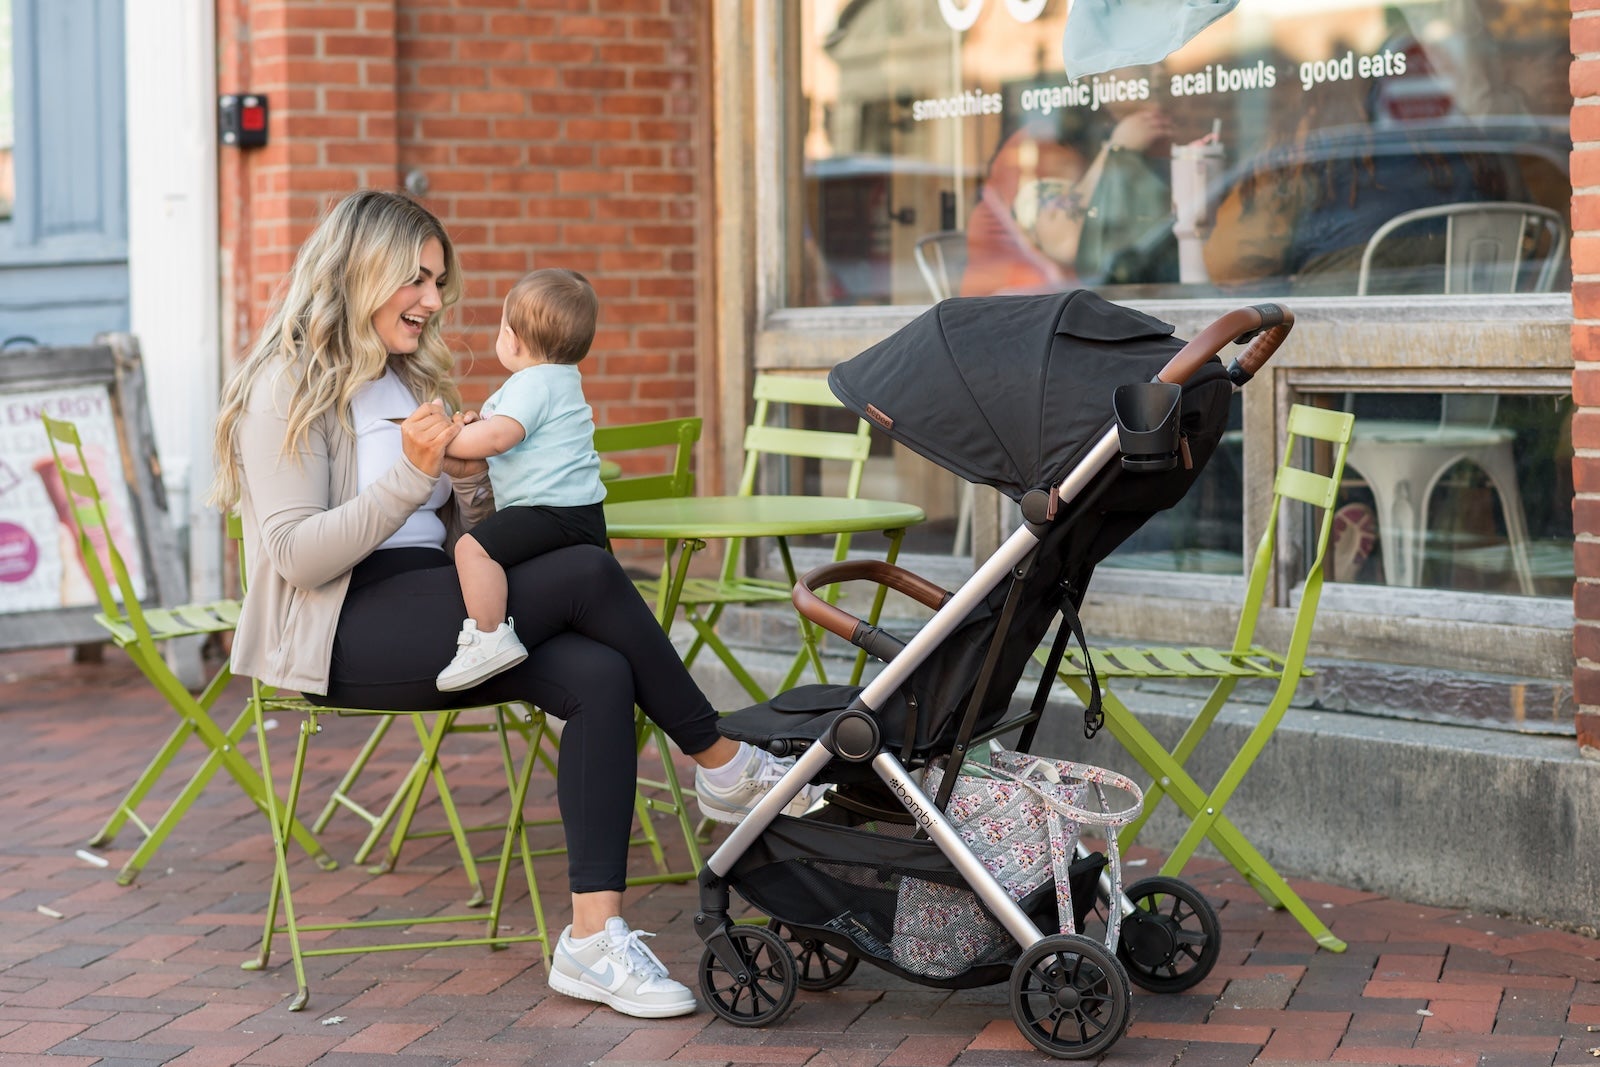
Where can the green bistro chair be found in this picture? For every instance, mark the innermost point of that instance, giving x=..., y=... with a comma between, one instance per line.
x=703, y=600
x=140, y=632
x=672, y=440
x=431, y=728
x=1315, y=436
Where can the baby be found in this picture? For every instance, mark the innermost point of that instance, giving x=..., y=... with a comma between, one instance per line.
x=537, y=433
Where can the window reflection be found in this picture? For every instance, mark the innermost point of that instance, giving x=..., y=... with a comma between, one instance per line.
x=1261, y=157
x=8, y=187
x=1469, y=492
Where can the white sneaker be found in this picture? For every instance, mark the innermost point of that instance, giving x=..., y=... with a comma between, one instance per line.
x=616, y=969
x=481, y=655
x=761, y=771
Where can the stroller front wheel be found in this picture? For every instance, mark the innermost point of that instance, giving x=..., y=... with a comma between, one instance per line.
x=820, y=965
x=1172, y=938
x=763, y=991
x=1070, y=997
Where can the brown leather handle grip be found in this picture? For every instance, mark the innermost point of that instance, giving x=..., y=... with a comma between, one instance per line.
x=1261, y=349
x=838, y=621
x=1269, y=323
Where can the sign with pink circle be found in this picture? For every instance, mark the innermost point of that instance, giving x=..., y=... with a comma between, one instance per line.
x=19, y=553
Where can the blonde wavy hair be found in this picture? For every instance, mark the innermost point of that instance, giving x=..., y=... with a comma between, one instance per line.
x=320, y=329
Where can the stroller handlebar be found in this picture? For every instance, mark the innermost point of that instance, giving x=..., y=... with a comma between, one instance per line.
x=1264, y=326
x=858, y=632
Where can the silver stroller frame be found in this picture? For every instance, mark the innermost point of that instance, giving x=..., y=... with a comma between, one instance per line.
x=854, y=735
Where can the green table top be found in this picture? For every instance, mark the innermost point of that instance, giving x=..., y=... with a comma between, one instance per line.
x=755, y=516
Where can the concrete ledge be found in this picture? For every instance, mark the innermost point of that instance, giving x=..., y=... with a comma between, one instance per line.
x=1451, y=816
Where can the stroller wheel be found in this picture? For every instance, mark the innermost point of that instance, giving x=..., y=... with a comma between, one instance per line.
x=819, y=964
x=1070, y=997
x=765, y=989
x=1172, y=938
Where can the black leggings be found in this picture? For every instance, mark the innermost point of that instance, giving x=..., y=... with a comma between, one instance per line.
x=594, y=651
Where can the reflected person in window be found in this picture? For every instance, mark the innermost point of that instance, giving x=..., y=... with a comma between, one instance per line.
x=1039, y=201
x=1300, y=216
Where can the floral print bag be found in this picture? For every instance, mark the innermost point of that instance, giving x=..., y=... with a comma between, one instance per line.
x=1020, y=815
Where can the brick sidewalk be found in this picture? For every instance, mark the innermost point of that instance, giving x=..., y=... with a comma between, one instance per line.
x=150, y=973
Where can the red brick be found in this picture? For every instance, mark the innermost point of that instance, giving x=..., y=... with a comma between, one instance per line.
x=1406, y=1057
x=1294, y=1044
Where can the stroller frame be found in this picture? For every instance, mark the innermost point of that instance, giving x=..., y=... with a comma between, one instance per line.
x=854, y=736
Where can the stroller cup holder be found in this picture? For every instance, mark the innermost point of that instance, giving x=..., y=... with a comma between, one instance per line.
x=1147, y=425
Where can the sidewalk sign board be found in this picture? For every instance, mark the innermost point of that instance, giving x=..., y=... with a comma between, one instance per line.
x=45, y=595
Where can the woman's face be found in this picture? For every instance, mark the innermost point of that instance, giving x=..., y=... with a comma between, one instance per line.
x=400, y=320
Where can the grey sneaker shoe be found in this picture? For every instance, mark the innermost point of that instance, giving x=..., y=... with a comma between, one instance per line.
x=761, y=772
x=615, y=969
x=481, y=655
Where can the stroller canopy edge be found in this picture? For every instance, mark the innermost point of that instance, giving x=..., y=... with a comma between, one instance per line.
x=1004, y=391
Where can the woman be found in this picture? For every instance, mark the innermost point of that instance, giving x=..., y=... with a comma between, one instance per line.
x=331, y=442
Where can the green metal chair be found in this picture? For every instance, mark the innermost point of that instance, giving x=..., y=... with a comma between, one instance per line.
x=1315, y=436
x=432, y=728
x=671, y=443
x=140, y=632
x=703, y=600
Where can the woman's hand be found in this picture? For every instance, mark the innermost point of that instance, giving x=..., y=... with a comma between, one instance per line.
x=426, y=433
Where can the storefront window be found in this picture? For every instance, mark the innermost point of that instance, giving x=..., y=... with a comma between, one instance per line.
x=1263, y=158
x=1469, y=492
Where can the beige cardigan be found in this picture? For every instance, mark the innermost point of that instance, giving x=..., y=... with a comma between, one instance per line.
x=306, y=526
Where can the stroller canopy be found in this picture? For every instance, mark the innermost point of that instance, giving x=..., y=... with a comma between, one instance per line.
x=1008, y=391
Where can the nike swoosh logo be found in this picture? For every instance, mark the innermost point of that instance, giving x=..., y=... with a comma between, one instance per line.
x=607, y=978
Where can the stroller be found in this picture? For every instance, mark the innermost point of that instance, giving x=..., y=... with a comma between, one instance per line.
x=1092, y=417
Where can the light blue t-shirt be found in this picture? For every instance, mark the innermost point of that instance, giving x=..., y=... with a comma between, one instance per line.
x=555, y=464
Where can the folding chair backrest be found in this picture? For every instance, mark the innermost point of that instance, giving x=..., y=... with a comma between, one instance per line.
x=765, y=437
x=1296, y=482
x=678, y=434
x=88, y=511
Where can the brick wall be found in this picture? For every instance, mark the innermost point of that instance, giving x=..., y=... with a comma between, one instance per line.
x=549, y=133
x=1586, y=366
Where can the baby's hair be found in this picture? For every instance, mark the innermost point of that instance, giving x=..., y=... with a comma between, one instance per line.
x=552, y=311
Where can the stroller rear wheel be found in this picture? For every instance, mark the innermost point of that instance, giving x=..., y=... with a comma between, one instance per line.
x=1070, y=997
x=820, y=965
x=763, y=990
x=1172, y=938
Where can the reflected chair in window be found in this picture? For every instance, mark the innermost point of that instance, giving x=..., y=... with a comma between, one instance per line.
x=942, y=259
x=1486, y=248
x=1315, y=437
x=141, y=632
x=1489, y=247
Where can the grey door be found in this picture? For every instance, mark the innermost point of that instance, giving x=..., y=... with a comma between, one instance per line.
x=64, y=250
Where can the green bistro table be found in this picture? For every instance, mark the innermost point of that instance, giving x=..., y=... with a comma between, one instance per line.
x=685, y=524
